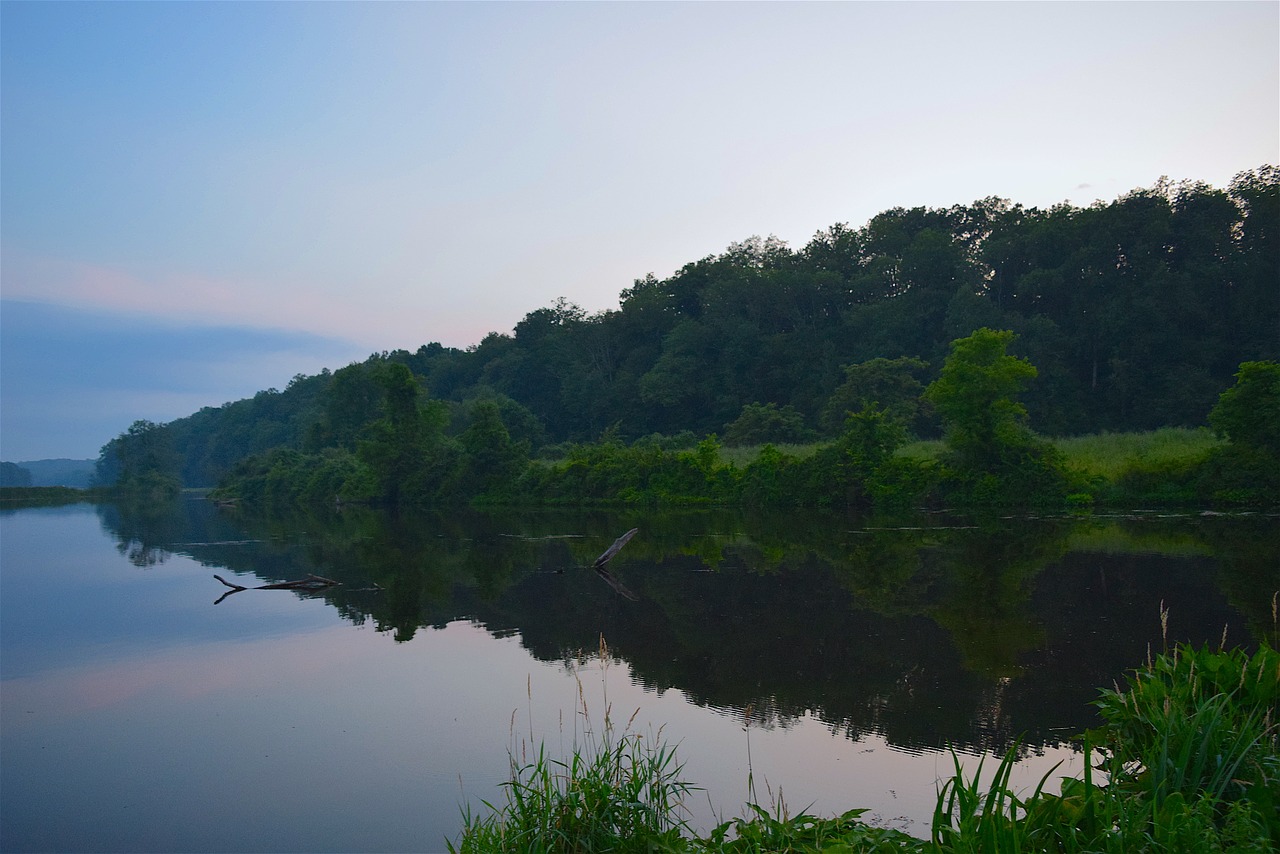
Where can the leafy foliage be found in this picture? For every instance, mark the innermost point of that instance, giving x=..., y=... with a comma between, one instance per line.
x=992, y=454
x=760, y=423
x=1248, y=414
x=890, y=384
x=141, y=461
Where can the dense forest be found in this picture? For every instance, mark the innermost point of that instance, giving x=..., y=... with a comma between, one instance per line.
x=1130, y=315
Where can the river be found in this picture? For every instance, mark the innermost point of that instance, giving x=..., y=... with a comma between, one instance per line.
x=145, y=706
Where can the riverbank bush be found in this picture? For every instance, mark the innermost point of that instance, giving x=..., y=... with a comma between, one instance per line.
x=1188, y=759
x=989, y=459
x=1172, y=467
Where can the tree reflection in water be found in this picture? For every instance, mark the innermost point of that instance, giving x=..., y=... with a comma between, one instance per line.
x=928, y=630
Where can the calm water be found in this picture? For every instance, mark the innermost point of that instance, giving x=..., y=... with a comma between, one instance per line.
x=138, y=715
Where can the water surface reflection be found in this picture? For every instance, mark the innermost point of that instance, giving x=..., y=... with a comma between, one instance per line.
x=940, y=632
x=139, y=715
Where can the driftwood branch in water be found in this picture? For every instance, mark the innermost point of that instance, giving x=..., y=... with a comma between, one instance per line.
x=613, y=550
x=610, y=553
x=311, y=582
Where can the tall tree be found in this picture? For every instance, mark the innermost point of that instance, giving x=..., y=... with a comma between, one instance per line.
x=141, y=460
x=992, y=454
x=403, y=449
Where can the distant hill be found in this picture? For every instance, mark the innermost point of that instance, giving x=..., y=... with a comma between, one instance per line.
x=62, y=472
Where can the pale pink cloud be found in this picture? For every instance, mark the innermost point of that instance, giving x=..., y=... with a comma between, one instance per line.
x=369, y=313
x=90, y=285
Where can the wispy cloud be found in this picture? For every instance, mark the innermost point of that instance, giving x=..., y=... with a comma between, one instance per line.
x=186, y=297
x=75, y=378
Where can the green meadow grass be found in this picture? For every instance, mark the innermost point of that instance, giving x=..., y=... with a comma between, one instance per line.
x=1106, y=455
x=922, y=449
x=743, y=455
x=1110, y=455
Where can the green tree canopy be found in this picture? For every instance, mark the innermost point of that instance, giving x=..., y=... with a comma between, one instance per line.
x=141, y=460
x=765, y=422
x=994, y=457
x=1248, y=413
x=893, y=385
x=976, y=396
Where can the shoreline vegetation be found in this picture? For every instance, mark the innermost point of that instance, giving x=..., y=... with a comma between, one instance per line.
x=1118, y=466
x=1187, y=759
x=988, y=457
x=44, y=496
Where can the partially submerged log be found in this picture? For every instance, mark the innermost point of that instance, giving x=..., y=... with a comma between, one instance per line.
x=609, y=554
x=310, y=583
x=613, y=550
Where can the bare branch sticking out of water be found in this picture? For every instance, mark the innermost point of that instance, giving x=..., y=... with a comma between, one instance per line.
x=610, y=553
x=310, y=583
x=613, y=550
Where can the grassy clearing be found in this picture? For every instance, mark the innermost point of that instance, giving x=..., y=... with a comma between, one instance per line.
x=743, y=455
x=923, y=449
x=1111, y=455
x=1170, y=467
x=1188, y=759
x=1105, y=455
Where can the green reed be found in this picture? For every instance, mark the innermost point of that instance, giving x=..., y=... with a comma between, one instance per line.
x=1187, y=759
x=617, y=791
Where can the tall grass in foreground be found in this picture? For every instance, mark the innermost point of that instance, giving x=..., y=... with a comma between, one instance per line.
x=618, y=791
x=1187, y=760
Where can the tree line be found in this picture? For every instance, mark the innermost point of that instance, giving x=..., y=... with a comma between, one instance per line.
x=1136, y=314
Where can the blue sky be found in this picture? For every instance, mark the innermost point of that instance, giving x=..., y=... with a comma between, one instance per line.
x=252, y=190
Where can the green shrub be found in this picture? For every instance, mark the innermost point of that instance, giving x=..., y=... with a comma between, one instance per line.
x=1248, y=413
x=1169, y=482
x=760, y=423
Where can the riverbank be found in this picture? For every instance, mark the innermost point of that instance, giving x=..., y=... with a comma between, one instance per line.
x=870, y=468
x=37, y=496
x=1187, y=759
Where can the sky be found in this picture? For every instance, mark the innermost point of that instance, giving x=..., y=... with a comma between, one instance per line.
x=200, y=200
